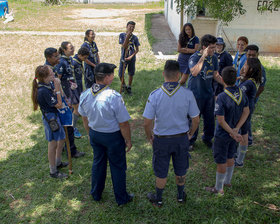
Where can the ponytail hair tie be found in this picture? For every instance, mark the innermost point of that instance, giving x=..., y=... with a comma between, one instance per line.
x=35, y=78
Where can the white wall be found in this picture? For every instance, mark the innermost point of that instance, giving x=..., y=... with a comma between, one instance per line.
x=172, y=17
x=116, y=1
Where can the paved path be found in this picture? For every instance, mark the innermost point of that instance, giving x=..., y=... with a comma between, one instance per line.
x=166, y=44
x=66, y=33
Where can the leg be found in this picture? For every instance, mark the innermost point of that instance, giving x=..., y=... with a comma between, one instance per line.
x=51, y=156
x=99, y=167
x=59, y=147
x=209, y=121
x=241, y=151
x=73, y=147
x=229, y=172
x=220, y=177
x=201, y=108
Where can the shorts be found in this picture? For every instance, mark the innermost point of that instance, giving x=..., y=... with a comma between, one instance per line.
x=130, y=65
x=53, y=136
x=164, y=148
x=224, y=149
x=80, y=86
x=183, y=60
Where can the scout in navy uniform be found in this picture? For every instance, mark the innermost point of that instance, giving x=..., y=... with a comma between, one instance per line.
x=46, y=93
x=240, y=57
x=106, y=120
x=79, y=70
x=169, y=107
x=130, y=42
x=204, y=68
x=65, y=71
x=52, y=60
x=224, y=60
x=93, y=58
x=253, y=52
x=250, y=77
x=187, y=45
x=231, y=110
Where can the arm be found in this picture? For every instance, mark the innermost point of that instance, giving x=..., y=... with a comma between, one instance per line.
x=218, y=78
x=221, y=120
x=85, y=123
x=195, y=123
x=58, y=92
x=243, y=118
x=195, y=70
x=148, y=126
x=259, y=92
x=125, y=130
x=183, y=79
x=126, y=41
x=90, y=63
x=131, y=56
x=98, y=58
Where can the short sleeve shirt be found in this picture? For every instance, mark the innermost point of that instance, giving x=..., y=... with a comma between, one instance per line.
x=133, y=42
x=249, y=87
x=78, y=68
x=192, y=42
x=65, y=68
x=93, y=50
x=239, y=61
x=230, y=104
x=47, y=98
x=224, y=60
x=104, y=110
x=201, y=85
x=170, y=110
x=263, y=77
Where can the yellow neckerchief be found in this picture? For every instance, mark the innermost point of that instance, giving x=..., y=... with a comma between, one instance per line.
x=237, y=101
x=82, y=64
x=99, y=91
x=92, y=48
x=172, y=92
x=48, y=86
x=70, y=63
x=190, y=40
x=254, y=81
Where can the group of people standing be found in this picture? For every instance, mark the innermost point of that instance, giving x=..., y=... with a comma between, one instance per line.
x=217, y=86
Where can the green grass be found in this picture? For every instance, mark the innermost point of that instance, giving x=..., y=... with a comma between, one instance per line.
x=29, y=195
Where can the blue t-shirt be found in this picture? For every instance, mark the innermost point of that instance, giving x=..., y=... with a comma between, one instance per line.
x=104, y=108
x=224, y=60
x=78, y=67
x=201, y=85
x=47, y=98
x=133, y=42
x=191, y=44
x=249, y=87
x=263, y=77
x=239, y=61
x=93, y=50
x=170, y=106
x=229, y=104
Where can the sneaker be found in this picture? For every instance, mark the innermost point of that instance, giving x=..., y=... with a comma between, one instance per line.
x=78, y=154
x=213, y=190
x=208, y=144
x=130, y=199
x=191, y=148
x=58, y=175
x=183, y=199
x=77, y=134
x=236, y=164
x=128, y=90
x=228, y=185
x=153, y=199
x=250, y=144
x=62, y=164
x=124, y=88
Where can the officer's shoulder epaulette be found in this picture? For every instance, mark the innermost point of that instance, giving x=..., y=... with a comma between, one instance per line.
x=154, y=91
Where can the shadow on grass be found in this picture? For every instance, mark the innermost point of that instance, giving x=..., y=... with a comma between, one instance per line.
x=28, y=194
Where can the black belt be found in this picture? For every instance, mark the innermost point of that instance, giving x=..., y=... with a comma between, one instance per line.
x=172, y=136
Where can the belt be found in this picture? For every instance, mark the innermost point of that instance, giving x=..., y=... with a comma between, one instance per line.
x=172, y=136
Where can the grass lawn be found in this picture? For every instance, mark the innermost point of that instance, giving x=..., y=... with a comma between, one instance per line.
x=29, y=195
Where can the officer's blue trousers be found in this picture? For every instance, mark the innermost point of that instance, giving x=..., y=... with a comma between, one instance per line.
x=206, y=107
x=108, y=146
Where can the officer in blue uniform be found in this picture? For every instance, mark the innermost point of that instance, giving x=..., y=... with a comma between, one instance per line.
x=106, y=120
x=52, y=59
x=253, y=52
x=204, y=68
x=240, y=57
x=169, y=107
x=231, y=110
x=130, y=42
x=79, y=69
x=224, y=60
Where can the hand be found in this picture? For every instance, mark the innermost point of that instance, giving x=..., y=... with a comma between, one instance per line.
x=205, y=52
x=56, y=83
x=128, y=146
x=151, y=140
x=237, y=137
x=73, y=85
x=128, y=58
x=189, y=136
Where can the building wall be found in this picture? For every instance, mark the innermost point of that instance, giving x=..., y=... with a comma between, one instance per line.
x=115, y=1
x=262, y=29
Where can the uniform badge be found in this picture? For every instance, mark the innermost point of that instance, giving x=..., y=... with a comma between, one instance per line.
x=216, y=107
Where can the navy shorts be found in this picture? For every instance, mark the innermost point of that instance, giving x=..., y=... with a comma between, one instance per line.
x=130, y=65
x=164, y=148
x=53, y=136
x=224, y=149
x=80, y=88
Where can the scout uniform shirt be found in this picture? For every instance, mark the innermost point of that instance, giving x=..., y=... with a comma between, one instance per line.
x=249, y=87
x=133, y=42
x=93, y=50
x=104, y=108
x=239, y=61
x=201, y=85
x=46, y=98
x=230, y=104
x=224, y=60
x=78, y=67
x=169, y=106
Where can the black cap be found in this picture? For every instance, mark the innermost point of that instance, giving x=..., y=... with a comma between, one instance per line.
x=105, y=68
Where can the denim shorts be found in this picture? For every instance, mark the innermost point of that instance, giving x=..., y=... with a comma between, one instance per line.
x=53, y=136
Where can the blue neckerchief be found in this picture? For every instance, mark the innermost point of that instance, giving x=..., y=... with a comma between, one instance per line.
x=97, y=88
x=170, y=87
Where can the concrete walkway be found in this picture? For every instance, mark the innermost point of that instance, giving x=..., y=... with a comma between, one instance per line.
x=166, y=43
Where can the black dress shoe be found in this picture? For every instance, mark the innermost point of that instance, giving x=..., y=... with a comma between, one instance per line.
x=62, y=164
x=208, y=144
x=78, y=154
x=58, y=175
